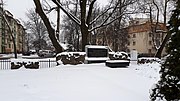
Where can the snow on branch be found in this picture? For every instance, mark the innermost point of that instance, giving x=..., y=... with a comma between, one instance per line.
x=105, y=24
x=107, y=20
x=100, y=15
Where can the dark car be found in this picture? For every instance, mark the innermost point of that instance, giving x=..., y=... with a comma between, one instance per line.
x=46, y=53
x=26, y=53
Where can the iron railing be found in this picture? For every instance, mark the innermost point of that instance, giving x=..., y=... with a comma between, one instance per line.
x=6, y=64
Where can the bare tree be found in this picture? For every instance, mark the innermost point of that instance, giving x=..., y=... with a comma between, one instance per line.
x=164, y=9
x=36, y=28
x=120, y=34
x=70, y=30
x=157, y=9
x=50, y=29
x=85, y=20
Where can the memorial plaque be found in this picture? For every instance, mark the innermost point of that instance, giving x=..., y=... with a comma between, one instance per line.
x=97, y=52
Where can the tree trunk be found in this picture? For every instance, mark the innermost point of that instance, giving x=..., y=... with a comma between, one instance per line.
x=51, y=31
x=15, y=50
x=84, y=27
x=159, y=51
x=77, y=33
x=84, y=31
x=58, y=22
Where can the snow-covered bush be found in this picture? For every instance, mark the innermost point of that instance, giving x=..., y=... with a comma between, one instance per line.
x=73, y=58
x=118, y=56
x=144, y=60
x=29, y=64
x=16, y=65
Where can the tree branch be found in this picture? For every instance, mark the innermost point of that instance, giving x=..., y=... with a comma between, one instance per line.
x=100, y=15
x=90, y=12
x=70, y=15
x=105, y=24
x=50, y=29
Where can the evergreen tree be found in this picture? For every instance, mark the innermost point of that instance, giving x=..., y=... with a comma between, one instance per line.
x=168, y=87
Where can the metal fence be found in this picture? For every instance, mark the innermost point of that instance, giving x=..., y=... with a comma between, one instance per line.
x=6, y=64
x=47, y=63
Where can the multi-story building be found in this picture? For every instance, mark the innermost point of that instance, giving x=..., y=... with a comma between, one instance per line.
x=6, y=43
x=142, y=37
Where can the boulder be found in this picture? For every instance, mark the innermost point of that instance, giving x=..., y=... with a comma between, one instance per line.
x=72, y=58
x=31, y=65
x=16, y=65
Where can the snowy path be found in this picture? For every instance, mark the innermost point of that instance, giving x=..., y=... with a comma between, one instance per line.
x=94, y=82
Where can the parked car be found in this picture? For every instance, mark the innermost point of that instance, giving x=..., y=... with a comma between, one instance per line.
x=32, y=51
x=46, y=53
x=26, y=53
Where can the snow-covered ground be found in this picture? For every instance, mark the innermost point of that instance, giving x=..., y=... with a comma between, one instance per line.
x=85, y=82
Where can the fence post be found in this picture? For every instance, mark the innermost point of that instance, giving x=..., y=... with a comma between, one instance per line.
x=49, y=63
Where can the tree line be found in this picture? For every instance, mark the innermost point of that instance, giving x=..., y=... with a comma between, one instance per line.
x=83, y=20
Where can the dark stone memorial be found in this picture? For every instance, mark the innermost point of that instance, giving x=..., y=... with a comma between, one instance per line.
x=96, y=54
x=93, y=52
x=117, y=63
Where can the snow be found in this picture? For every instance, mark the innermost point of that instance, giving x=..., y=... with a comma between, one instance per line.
x=24, y=60
x=116, y=61
x=149, y=58
x=96, y=58
x=71, y=53
x=122, y=55
x=64, y=46
x=85, y=82
x=97, y=46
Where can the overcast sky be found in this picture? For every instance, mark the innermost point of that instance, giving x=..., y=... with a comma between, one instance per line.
x=19, y=7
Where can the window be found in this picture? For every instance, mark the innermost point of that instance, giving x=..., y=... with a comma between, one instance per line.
x=150, y=34
x=9, y=45
x=150, y=42
x=134, y=35
x=128, y=43
x=134, y=43
x=149, y=51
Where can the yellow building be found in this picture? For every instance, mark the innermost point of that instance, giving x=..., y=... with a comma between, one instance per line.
x=142, y=38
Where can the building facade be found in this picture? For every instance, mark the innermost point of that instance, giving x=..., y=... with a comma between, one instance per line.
x=142, y=37
x=6, y=43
